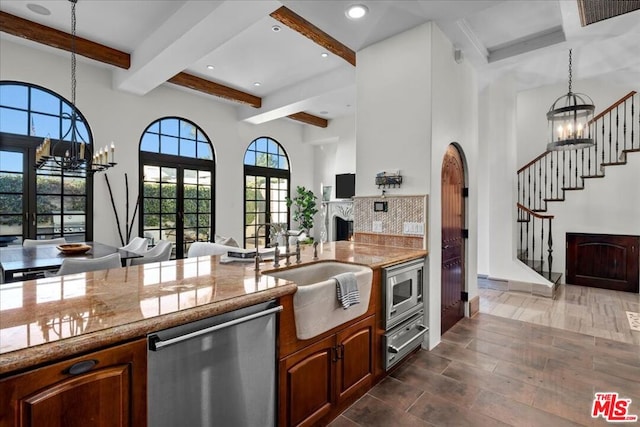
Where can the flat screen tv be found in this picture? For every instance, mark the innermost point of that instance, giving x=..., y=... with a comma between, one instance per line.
x=345, y=185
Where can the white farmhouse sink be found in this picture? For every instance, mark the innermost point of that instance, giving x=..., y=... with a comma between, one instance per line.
x=315, y=304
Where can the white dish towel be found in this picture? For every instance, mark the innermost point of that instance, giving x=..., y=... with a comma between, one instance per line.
x=347, y=289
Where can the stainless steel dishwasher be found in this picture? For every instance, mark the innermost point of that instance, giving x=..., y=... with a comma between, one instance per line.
x=219, y=371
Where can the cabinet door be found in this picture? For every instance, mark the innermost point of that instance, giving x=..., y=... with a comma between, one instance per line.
x=306, y=384
x=105, y=388
x=355, y=358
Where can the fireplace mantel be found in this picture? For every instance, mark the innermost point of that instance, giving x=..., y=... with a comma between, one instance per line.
x=336, y=208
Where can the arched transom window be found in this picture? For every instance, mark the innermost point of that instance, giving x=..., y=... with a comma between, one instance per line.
x=177, y=170
x=266, y=187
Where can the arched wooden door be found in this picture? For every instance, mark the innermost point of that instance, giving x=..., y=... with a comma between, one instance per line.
x=453, y=217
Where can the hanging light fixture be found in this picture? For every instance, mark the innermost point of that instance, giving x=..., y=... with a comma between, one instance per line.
x=570, y=119
x=72, y=154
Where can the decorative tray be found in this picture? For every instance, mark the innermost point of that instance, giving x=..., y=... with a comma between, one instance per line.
x=73, y=248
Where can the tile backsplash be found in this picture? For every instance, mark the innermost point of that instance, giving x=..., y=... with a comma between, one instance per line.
x=387, y=228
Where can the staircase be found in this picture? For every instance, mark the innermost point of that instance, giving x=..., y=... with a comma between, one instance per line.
x=547, y=178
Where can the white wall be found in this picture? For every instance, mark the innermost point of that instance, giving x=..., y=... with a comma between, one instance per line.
x=393, y=120
x=334, y=151
x=454, y=105
x=122, y=117
x=498, y=147
x=413, y=101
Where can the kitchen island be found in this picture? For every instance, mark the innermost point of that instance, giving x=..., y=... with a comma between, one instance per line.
x=46, y=320
x=74, y=348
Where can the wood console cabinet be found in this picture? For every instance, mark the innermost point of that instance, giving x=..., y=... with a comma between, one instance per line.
x=322, y=379
x=103, y=388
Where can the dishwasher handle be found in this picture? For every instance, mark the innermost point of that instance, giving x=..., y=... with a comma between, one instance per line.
x=155, y=343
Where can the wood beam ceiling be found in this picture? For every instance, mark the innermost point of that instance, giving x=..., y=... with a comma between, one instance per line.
x=42, y=34
x=307, y=29
x=309, y=119
x=59, y=39
x=212, y=88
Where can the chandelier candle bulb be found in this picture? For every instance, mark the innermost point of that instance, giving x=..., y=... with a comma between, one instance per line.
x=82, y=150
x=113, y=152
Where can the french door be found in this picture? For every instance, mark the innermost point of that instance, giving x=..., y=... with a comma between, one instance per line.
x=265, y=202
x=36, y=204
x=177, y=203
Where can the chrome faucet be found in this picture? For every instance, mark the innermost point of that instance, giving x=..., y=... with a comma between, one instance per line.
x=287, y=253
x=257, y=258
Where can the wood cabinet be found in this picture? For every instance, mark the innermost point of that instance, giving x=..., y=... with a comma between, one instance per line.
x=319, y=381
x=603, y=261
x=103, y=388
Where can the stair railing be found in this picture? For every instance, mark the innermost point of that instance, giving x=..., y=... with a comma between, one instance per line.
x=534, y=246
x=615, y=131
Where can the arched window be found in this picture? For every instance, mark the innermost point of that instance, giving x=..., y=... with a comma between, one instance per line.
x=266, y=187
x=177, y=171
x=38, y=203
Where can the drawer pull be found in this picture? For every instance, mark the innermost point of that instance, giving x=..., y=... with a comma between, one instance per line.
x=82, y=367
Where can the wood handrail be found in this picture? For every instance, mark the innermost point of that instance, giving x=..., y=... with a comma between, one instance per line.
x=608, y=110
x=536, y=214
x=533, y=161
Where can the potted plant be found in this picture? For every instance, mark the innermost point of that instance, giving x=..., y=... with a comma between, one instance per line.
x=304, y=208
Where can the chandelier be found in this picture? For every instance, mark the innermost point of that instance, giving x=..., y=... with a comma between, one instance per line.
x=569, y=120
x=72, y=154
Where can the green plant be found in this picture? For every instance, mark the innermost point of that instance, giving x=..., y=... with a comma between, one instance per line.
x=304, y=207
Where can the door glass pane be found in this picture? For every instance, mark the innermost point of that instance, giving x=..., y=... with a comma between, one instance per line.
x=11, y=161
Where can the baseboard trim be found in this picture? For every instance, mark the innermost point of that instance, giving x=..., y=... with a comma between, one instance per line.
x=474, y=306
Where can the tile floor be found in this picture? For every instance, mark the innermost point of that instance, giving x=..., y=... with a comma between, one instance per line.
x=522, y=361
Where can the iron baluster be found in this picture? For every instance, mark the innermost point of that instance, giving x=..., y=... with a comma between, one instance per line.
x=529, y=189
x=624, y=127
x=551, y=180
x=557, y=175
x=610, y=138
x=603, y=139
x=617, y=131
x=550, y=250
x=546, y=167
x=541, y=245
x=563, y=171
x=539, y=185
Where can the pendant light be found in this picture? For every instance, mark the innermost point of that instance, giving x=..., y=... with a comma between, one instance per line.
x=569, y=120
x=72, y=154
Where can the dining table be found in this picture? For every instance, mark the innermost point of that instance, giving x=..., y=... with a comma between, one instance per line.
x=22, y=263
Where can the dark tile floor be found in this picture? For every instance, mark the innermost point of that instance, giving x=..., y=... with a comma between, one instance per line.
x=495, y=371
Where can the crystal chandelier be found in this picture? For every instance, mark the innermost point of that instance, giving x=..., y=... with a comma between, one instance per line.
x=569, y=120
x=72, y=154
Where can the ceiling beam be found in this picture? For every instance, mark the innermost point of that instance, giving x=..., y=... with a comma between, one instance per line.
x=309, y=119
x=299, y=24
x=29, y=30
x=215, y=89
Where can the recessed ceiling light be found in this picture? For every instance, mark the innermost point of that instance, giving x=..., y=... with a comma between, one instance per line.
x=256, y=84
x=356, y=11
x=36, y=8
x=210, y=67
x=324, y=112
x=324, y=54
x=276, y=28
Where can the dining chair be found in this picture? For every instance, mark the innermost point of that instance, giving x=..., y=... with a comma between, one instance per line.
x=31, y=242
x=137, y=245
x=160, y=252
x=82, y=265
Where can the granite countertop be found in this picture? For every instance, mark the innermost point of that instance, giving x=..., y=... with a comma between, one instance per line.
x=50, y=319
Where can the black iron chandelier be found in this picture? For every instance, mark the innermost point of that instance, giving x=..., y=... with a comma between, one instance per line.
x=72, y=153
x=570, y=119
